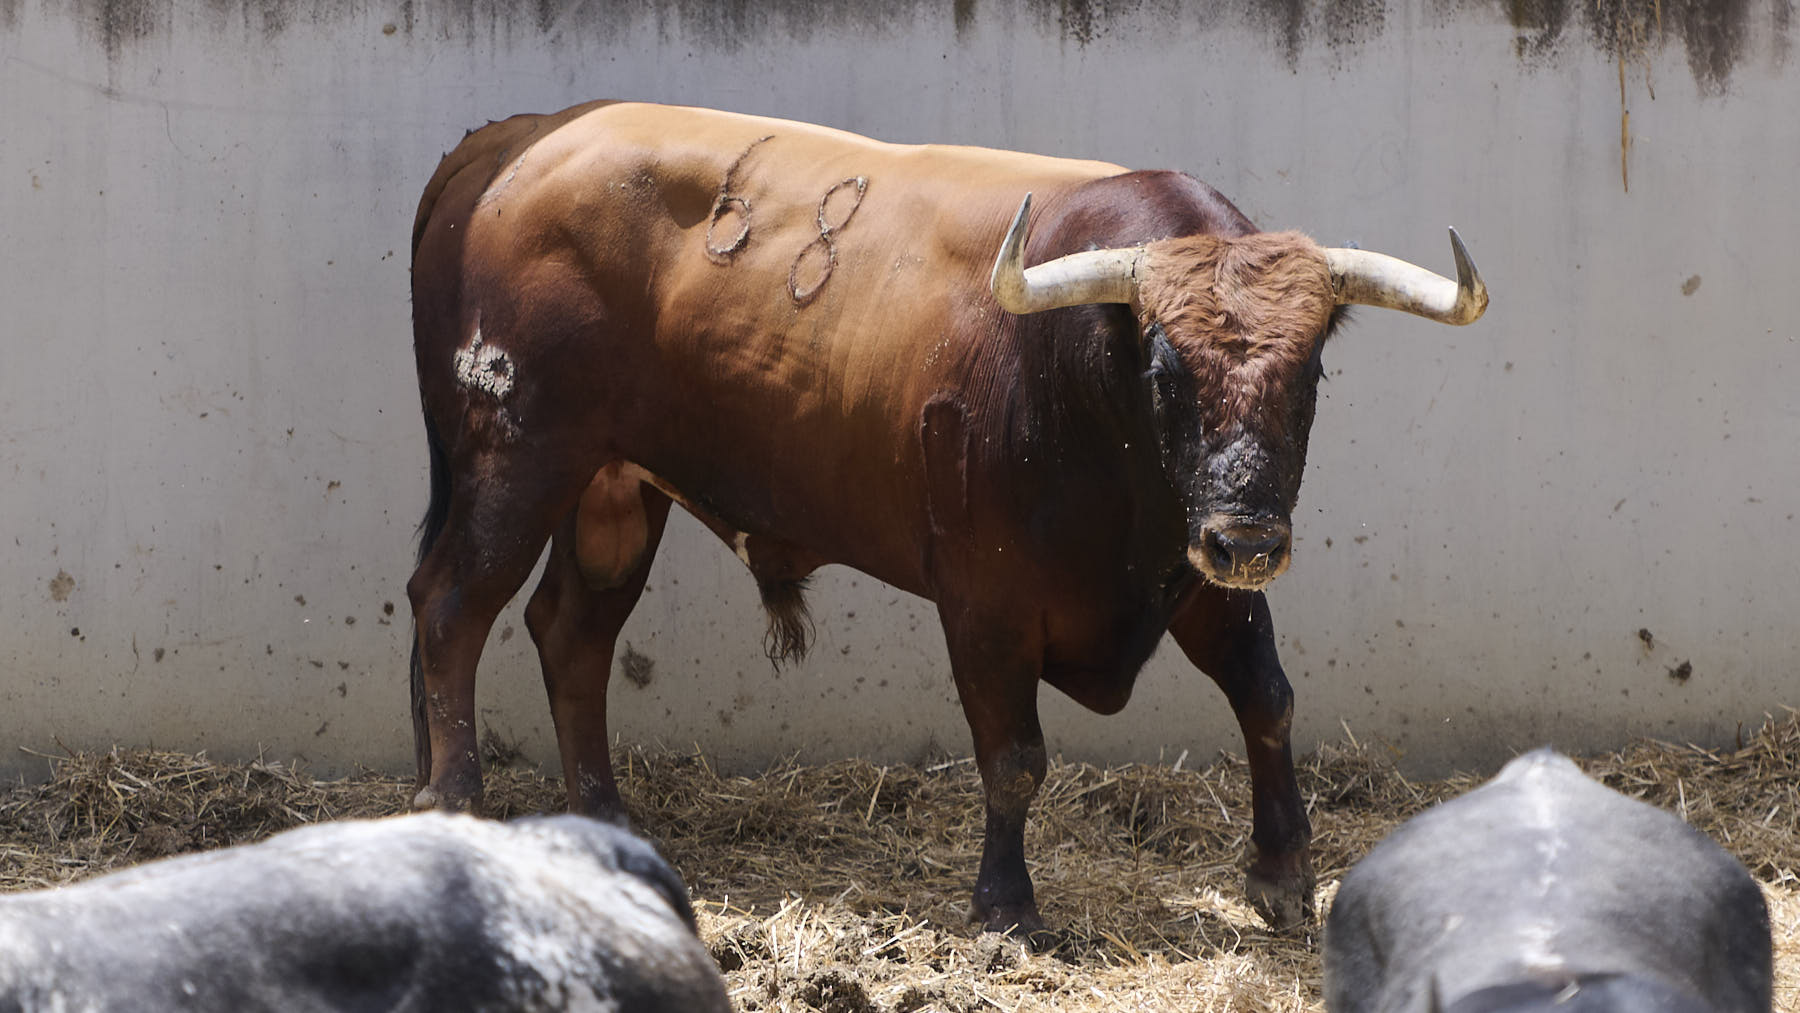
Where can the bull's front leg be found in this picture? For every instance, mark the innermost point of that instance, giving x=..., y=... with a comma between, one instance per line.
x=997, y=680
x=1228, y=635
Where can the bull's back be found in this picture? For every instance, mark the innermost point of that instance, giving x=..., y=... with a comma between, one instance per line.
x=725, y=230
x=1543, y=872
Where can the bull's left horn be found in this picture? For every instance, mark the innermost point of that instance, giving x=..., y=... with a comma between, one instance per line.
x=1095, y=276
x=1376, y=279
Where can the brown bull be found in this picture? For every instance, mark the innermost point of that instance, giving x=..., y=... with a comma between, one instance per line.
x=805, y=339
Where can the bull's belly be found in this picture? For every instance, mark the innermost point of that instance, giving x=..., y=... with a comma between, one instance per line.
x=612, y=535
x=1098, y=633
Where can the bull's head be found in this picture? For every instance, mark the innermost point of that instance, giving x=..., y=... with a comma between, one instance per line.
x=1232, y=328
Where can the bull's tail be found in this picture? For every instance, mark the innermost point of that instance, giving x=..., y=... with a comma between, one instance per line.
x=436, y=512
x=478, y=146
x=790, y=621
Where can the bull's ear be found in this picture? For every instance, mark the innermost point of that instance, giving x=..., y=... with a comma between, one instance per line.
x=640, y=858
x=1092, y=276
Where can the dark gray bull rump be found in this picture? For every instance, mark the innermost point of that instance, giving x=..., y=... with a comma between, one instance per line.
x=427, y=913
x=788, y=330
x=1544, y=890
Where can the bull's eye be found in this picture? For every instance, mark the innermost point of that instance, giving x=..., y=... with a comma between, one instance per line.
x=1166, y=370
x=1165, y=362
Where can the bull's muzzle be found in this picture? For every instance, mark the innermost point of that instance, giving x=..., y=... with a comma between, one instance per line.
x=1243, y=554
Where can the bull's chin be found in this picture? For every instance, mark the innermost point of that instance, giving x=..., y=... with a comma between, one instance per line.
x=1244, y=577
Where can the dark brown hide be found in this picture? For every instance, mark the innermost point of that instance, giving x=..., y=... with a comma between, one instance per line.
x=787, y=330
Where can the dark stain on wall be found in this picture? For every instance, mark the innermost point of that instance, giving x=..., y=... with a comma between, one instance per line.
x=1079, y=20
x=275, y=19
x=118, y=22
x=1783, y=15
x=1540, y=24
x=1285, y=22
x=267, y=20
x=963, y=12
x=1350, y=23
x=756, y=21
x=9, y=13
x=1289, y=25
x=1716, y=35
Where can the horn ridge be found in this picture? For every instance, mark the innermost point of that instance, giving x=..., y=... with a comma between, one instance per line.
x=1366, y=278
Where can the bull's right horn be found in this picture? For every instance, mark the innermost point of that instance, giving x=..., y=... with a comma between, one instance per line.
x=1094, y=276
x=1376, y=279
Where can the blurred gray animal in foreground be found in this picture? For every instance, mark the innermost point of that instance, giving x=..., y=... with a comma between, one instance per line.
x=428, y=912
x=1544, y=890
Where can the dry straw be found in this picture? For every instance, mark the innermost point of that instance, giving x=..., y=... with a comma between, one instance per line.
x=843, y=887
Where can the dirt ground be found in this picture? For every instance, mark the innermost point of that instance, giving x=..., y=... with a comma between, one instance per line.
x=843, y=888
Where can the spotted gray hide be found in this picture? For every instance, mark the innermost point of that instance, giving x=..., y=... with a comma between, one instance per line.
x=428, y=912
x=1543, y=890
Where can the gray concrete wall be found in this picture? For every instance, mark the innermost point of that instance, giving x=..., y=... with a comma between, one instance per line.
x=211, y=461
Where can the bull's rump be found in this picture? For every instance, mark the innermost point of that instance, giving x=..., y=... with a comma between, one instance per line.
x=689, y=280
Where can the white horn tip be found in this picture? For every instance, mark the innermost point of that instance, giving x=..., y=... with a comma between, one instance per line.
x=1471, y=291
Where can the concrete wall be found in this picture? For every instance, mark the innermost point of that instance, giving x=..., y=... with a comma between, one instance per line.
x=211, y=461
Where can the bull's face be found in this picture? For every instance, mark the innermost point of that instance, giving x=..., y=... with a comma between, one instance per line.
x=1233, y=327
x=1233, y=330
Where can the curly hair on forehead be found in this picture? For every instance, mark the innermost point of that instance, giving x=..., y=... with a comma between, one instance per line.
x=1266, y=293
x=1245, y=314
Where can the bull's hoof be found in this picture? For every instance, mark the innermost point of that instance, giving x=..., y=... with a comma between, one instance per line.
x=1280, y=890
x=1023, y=924
x=430, y=798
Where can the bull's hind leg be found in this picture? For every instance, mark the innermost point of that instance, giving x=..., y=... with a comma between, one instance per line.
x=997, y=674
x=502, y=510
x=1228, y=635
x=598, y=563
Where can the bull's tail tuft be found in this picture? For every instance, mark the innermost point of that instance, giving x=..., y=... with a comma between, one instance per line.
x=790, y=621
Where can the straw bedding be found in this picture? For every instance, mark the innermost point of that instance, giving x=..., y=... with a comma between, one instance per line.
x=843, y=887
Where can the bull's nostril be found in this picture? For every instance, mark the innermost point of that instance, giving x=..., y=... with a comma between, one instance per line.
x=1218, y=551
x=1271, y=549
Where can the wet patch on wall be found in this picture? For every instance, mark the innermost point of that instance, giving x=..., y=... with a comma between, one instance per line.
x=1716, y=35
x=964, y=14
x=119, y=22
